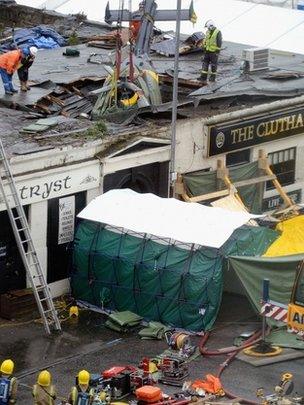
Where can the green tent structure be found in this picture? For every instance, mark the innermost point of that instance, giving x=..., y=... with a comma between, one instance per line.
x=281, y=273
x=159, y=278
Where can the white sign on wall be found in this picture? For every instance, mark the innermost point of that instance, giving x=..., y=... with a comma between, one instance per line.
x=66, y=219
x=56, y=183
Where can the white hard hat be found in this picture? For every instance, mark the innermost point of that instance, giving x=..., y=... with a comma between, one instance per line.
x=209, y=24
x=33, y=50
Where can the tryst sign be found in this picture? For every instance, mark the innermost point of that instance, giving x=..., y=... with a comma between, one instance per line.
x=44, y=190
x=54, y=183
x=244, y=134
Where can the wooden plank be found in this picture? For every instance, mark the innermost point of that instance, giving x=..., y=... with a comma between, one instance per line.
x=280, y=189
x=182, y=82
x=255, y=180
x=209, y=196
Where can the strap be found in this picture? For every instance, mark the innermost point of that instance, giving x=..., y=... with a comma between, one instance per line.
x=48, y=393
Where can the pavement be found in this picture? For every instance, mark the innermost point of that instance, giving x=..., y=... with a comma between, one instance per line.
x=90, y=345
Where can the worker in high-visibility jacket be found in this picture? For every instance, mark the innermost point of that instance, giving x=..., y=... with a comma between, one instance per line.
x=43, y=391
x=82, y=393
x=211, y=46
x=8, y=383
x=9, y=63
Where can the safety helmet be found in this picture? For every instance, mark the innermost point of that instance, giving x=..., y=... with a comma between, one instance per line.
x=83, y=377
x=33, y=50
x=7, y=367
x=209, y=24
x=44, y=378
x=74, y=311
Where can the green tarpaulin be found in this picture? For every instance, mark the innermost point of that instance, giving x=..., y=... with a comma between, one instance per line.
x=167, y=282
x=280, y=271
x=201, y=182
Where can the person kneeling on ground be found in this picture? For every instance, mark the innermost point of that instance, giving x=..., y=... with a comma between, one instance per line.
x=29, y=55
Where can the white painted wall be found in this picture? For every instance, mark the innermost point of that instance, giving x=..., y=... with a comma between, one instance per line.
x=191, y=147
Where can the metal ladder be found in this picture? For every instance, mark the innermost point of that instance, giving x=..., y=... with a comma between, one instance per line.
x=26, y=246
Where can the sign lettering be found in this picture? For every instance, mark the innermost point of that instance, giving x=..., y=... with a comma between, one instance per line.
x=56, y=183
x=45, y=189
x=66, y=219
x=299, y=318
x=276, y=201
x=228, y=138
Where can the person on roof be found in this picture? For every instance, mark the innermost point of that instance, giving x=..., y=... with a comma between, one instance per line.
x=135, y=24
x=27, y=60
x=212, y=44
x=9, y=63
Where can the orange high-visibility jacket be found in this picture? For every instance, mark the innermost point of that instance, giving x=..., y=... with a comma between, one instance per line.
x=10, y=61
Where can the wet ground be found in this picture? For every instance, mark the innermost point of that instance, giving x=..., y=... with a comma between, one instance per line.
x=88, y=344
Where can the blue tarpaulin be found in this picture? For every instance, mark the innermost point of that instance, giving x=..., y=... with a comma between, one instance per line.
x=42, y=36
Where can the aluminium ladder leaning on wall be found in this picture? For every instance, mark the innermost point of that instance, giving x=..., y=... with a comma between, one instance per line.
x=26, y=246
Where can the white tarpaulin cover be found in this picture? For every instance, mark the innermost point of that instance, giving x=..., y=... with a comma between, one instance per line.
x=165, y=217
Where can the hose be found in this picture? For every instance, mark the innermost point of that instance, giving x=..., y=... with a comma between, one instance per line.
x=227, y=350
x=232, y=352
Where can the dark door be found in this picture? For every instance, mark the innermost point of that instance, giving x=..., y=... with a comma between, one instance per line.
x=152, y=178
x=62, y=220
x=12, y=271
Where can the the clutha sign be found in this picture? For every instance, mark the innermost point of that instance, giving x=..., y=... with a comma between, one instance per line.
x=228, y=138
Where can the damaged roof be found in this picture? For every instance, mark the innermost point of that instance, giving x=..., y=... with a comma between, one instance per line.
x=66, y=87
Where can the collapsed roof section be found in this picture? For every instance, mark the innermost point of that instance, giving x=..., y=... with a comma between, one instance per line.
x=69, y=86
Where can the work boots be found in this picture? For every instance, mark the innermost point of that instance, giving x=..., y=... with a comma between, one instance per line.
x=202, y=78
x=24, y=86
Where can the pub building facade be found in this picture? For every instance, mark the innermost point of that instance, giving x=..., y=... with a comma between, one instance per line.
x=236, y=138
x=55, y=185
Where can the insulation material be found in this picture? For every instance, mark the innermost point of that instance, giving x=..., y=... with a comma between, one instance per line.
x=291, y=240
x=165, y=217
x=230, y=203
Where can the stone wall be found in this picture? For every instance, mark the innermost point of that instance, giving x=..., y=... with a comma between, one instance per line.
x=12, y=14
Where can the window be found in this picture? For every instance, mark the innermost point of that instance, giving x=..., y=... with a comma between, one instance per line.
x=238, y=158
x=283, y=165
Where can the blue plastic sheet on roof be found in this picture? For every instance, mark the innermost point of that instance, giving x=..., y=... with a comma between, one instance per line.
x=43, y=37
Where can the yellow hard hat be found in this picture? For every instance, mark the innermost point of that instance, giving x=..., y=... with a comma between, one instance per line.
x=44, y=378
x=7, y=367
x=74, y=311
x=83, y=377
